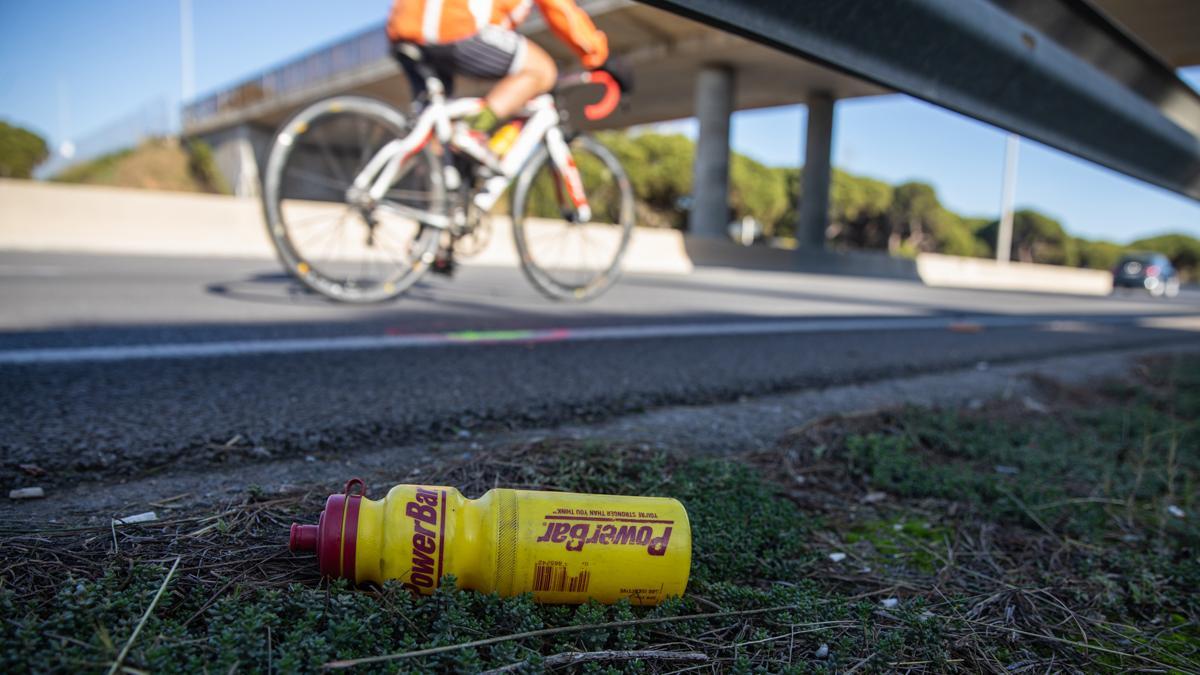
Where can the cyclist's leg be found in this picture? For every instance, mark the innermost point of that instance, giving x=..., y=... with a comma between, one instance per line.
x=523, y=69
x=536, y=75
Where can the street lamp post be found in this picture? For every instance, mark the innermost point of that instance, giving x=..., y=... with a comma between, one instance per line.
x=1004, y=233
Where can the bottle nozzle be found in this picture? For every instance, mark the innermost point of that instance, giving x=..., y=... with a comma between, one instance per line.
x=303, y=537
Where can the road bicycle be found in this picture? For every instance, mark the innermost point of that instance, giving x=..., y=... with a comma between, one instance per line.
x=362, y=200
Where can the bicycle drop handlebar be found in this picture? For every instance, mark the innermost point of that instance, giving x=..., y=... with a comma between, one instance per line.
x=607, y=103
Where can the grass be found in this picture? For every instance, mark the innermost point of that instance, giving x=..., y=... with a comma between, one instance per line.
x=1013, y=536
x=155, y=164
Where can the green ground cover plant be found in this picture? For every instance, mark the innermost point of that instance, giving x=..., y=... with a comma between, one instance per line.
x=1055, y=533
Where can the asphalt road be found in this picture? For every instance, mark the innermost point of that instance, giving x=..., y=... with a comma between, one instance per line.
x=120, y=366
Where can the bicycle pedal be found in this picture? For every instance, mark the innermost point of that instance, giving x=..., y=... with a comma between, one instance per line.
x=444, y=265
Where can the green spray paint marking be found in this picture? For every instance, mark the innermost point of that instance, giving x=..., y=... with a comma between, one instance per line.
x=491, y=335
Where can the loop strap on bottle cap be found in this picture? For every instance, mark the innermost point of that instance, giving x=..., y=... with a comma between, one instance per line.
x=351, y=483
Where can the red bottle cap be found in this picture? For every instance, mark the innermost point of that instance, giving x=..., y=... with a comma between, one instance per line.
x=334, y=536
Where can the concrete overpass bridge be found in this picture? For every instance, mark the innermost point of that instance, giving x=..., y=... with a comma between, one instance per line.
x=1034, y=67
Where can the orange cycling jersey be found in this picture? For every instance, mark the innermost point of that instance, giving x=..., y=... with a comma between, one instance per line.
x=431, y=22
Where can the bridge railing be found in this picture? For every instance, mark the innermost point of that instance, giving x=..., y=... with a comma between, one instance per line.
x=313, y=68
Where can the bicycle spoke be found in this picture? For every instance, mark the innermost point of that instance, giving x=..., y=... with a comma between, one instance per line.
x=307, y=220
x=582, y=258
x=370, y=146
x=562, y=244
x=327, y=155
x=344, y=156
x=337, y=231
x=341, y=219
x=361, y=126
x=362, y=264
x=389, y=255
x=405, y=257
x=320, y=236
x=318, y=179
x=585, y=244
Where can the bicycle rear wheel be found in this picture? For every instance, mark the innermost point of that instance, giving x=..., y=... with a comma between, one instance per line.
x=564, y=258
x=348, y=251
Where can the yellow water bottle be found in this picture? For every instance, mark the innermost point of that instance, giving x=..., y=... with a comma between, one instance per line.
x=562, y=547
x=504, y=138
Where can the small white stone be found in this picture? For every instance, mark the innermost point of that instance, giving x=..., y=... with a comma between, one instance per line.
x=309, y=458
x=1034, y=405
x=889, y=603
x=26, y=493
x=822, y=651
x=837, y=557
x=1176, y=511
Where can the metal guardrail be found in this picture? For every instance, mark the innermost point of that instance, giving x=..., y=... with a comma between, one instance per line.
x=319, y=65
x=973, y=57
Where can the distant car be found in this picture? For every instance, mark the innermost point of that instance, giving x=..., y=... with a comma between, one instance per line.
x=1150, y=271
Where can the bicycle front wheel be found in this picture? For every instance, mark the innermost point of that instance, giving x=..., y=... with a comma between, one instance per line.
x=345, y=249
x=567, y=257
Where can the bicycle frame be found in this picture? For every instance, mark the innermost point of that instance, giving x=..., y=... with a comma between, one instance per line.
x=435, y=121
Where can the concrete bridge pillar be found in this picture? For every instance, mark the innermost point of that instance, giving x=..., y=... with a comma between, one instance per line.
x=709, y=214
x=241, y=154
x=814, y=199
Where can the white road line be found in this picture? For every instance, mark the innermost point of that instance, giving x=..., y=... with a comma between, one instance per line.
x=191, y=350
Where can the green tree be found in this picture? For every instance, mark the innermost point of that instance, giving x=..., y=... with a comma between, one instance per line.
x=792, y=180
x=1098, y=255
x=913, y=207
x=757, y=190
x=21, y=151
x=858, y=209
x=660, y=169
x=954, y=236
x=1037, y=238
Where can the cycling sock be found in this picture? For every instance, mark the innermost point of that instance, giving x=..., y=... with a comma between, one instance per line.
x=485, y=120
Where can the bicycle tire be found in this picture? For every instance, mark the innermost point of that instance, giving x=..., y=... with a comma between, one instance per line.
x=421, y=250
x=607, y=274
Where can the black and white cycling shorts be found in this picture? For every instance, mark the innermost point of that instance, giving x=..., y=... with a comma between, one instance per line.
x=490, y=54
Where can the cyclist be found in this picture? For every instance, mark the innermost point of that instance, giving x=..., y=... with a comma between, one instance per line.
x=478, y=38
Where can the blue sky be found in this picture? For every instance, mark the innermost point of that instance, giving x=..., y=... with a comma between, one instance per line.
x=105, y=59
